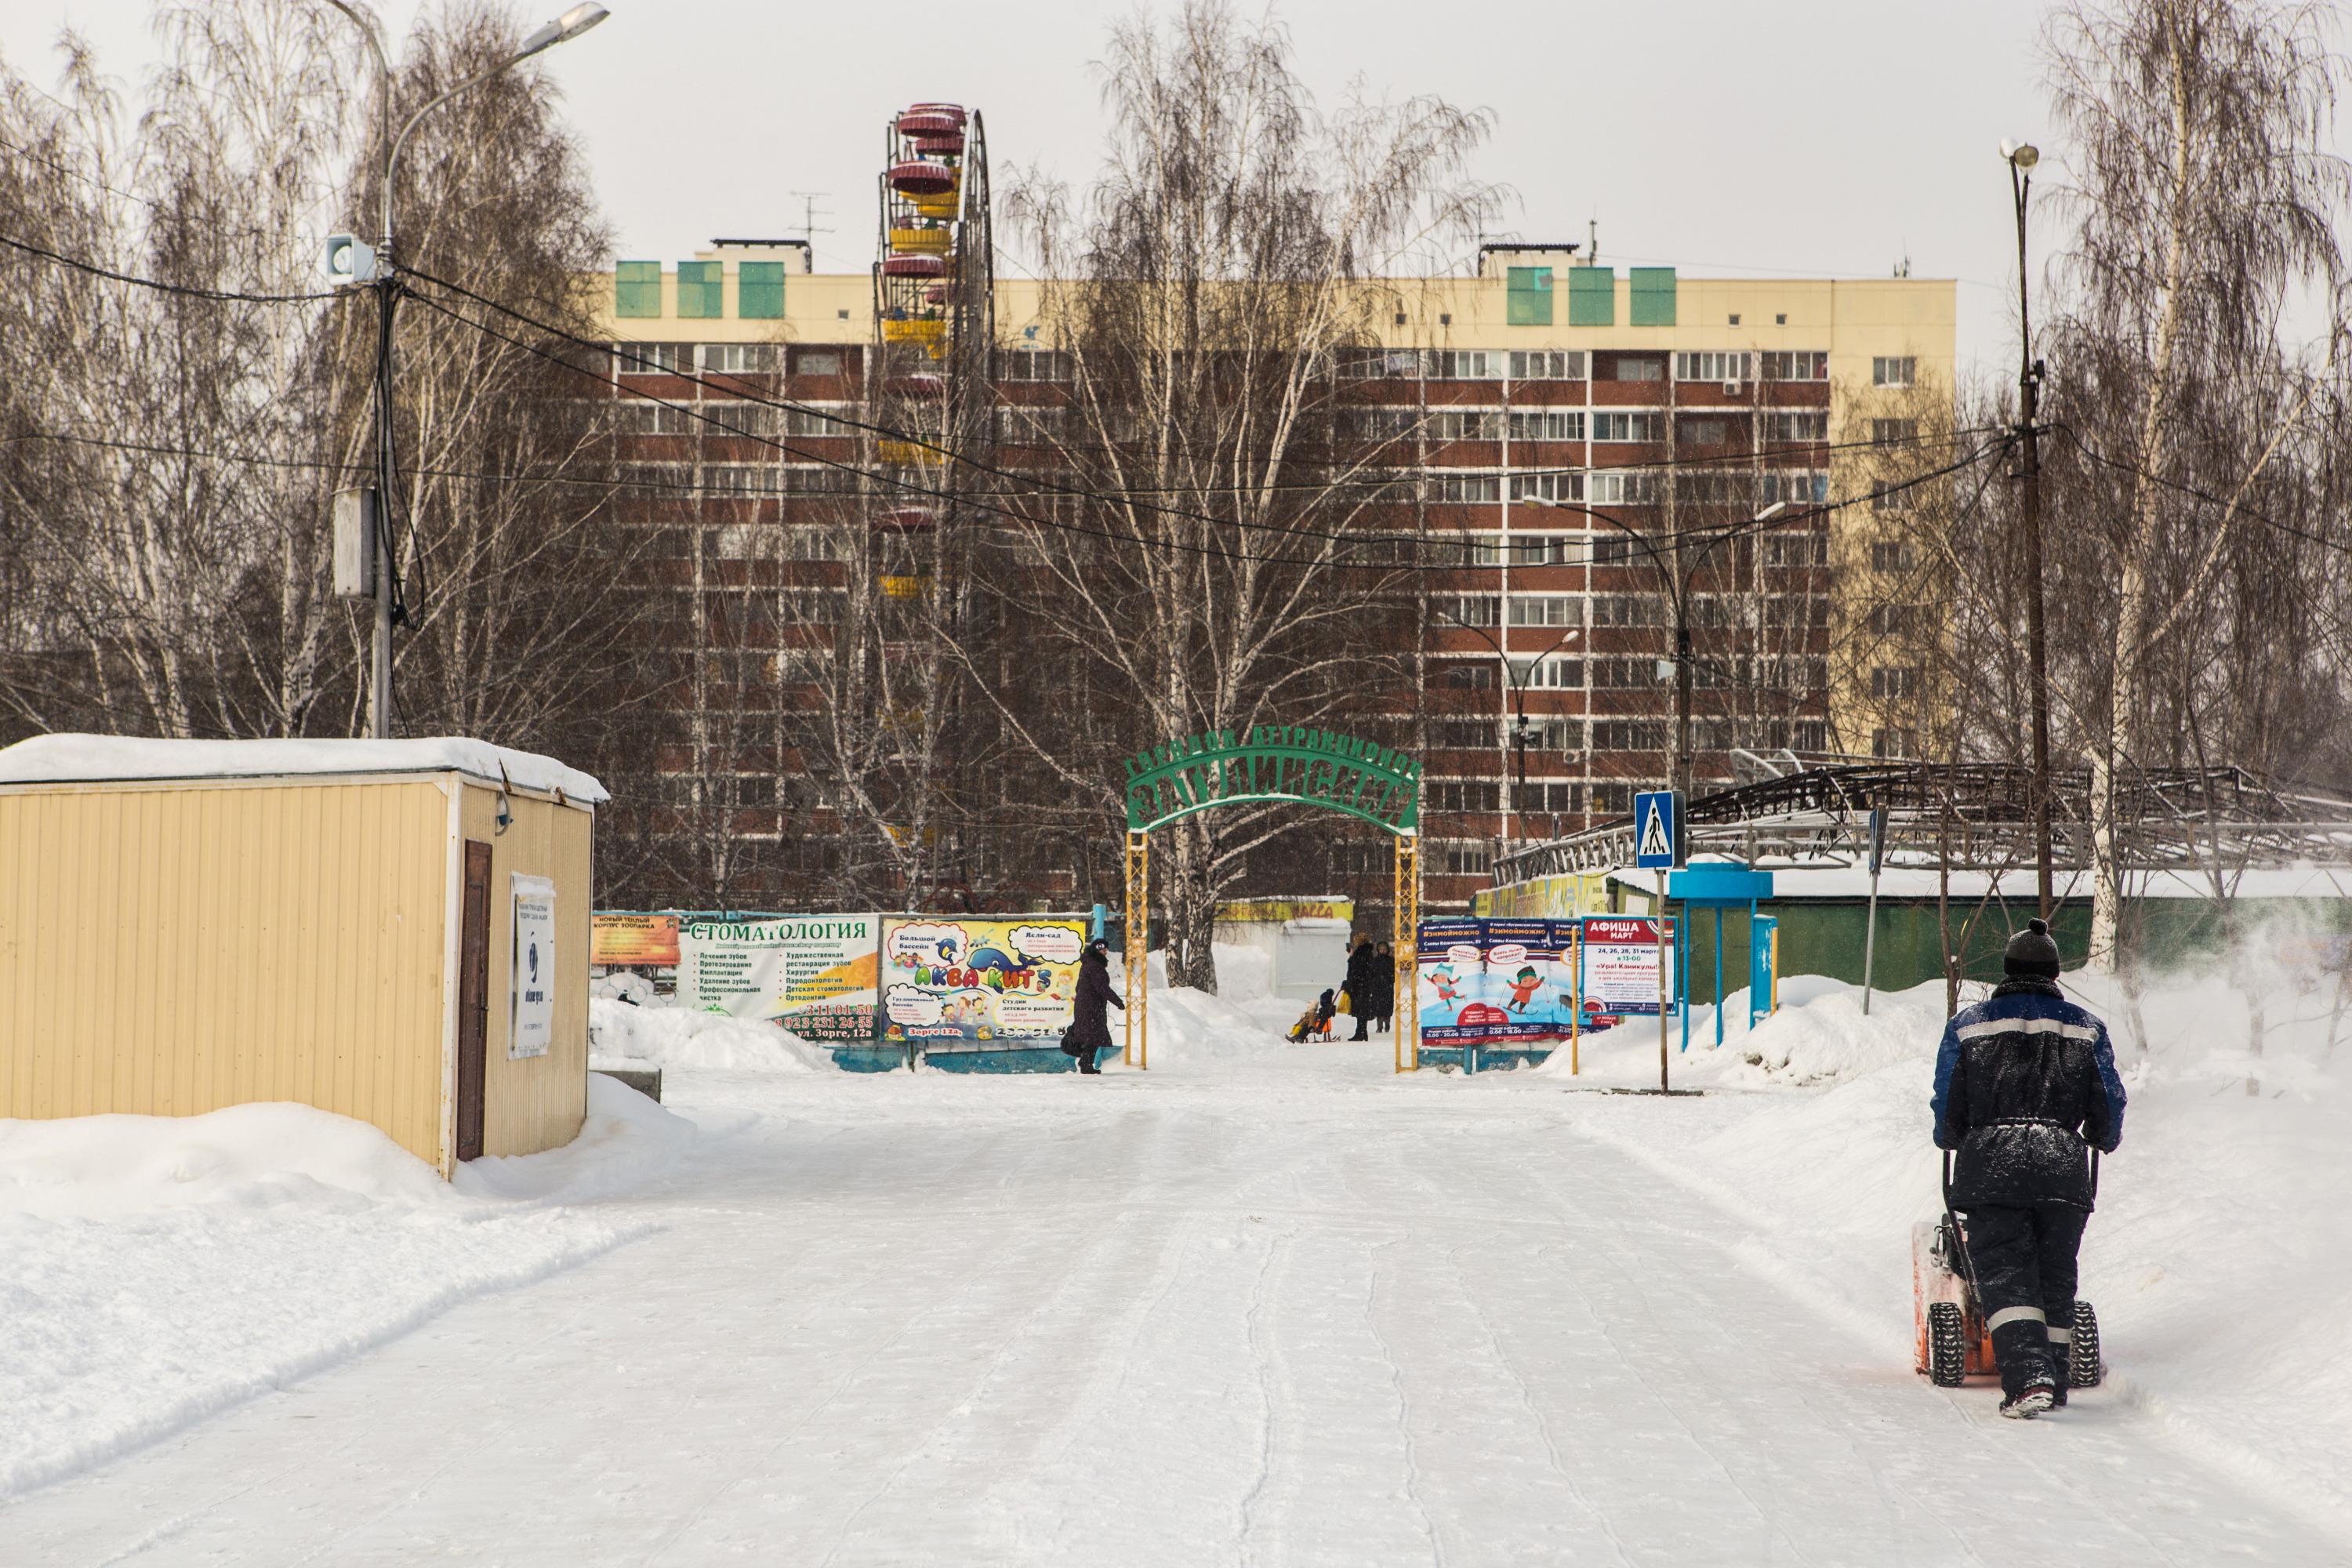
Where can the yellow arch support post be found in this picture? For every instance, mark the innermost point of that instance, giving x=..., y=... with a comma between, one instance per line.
x=1138, y=949
x=1407, y=1027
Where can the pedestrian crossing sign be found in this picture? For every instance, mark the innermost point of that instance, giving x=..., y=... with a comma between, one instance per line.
x=1657, y=829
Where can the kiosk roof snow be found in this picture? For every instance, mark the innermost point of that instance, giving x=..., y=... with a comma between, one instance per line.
x=106, y=759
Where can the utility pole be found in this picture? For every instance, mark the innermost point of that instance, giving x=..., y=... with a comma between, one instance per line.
x=2022, y=157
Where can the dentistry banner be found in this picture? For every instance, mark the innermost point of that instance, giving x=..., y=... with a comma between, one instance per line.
x=813, y=974
x=954, y=984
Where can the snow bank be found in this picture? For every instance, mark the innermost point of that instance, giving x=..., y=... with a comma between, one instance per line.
x=622, y=1034
x=161, y=1269
x=2216, y=1259
x=59, y=759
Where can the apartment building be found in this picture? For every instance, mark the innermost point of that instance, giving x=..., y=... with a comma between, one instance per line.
x=1611, y=454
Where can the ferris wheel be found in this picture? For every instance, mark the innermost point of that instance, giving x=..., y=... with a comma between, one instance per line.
x=934, y=302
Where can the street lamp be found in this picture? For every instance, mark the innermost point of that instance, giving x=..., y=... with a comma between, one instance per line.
x=1519, y=701
x=1678, y=594
x=567, y=27
x=2020, y=157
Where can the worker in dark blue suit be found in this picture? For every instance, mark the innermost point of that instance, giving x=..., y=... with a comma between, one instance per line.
x=2024, y=1081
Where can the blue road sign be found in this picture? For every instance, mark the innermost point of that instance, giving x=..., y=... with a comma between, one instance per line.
x=1657, y=830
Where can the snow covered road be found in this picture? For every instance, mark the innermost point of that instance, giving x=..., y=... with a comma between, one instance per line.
x=1284, y=1310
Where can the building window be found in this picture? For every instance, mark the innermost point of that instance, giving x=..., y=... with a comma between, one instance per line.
x=1378, y=364
x=637, y=289
x=1591, y=296
x=1710, y=365
x=1894, y=371
x=742, y=359
x=1891, y=555
x=1893, y=432
x=701, y=289
x=1796, y=429
x=1629, y=610
x=1629, y=735
x=652, y=359
x=1033, y=364
x=1467, y=609
x=1552, y=796
x=1619, y=488
x=1463, y=424
x=1547, y=487
x=1893, y=743
x=1629, y=426
x=1463, y=794
x=734, y=479
x=760, y=290
x=1465, y=675
x=1800, y=366
x=1557, y=673
x=1890, y=495
x=1895, y=620
x=1465, y=857
x=1461, y=734
x=1547, y=364
x=1798, y=489
x=1546, y=610
x=1548, y=425
x=1651, y=295
x=816, y=362
x=1894, y=680
x=1528, y=302
x=1796, y=550
x=1463, y=489
x=1458, y=365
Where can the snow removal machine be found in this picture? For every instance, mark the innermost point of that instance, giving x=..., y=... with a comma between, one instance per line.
x=1951, y=1340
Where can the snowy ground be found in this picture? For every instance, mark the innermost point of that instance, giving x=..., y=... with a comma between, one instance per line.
x=1265, y=1304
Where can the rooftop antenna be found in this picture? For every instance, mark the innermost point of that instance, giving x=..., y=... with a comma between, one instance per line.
x=1591, y=239
x=809, y=230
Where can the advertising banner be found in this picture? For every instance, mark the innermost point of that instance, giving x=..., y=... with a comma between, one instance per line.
x=1450, y=989
x=1273, y=912
x=813, y=974
x=1621, y=967
x=1522, y=980
x=643, y=942
x=530, y=989
x=950, y=983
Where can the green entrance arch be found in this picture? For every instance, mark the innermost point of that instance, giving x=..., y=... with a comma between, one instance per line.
x=1271, y=762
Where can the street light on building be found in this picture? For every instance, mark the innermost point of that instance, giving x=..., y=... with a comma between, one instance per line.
x=2022, y=157
x=351, y=262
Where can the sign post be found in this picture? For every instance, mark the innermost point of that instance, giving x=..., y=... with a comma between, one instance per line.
x=1658, y=847
x=1870, y=930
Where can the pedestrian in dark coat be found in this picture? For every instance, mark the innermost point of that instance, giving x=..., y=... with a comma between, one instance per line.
x=2023, y=1082
x=1358, y=987
x=1089, y=1035
x=1384, y=989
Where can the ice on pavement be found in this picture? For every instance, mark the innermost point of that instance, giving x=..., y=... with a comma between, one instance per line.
x=1264, y=1303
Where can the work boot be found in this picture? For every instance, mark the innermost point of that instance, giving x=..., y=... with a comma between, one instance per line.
x=2020, y=1348
x=2062, y=1365
x=2031, y=1400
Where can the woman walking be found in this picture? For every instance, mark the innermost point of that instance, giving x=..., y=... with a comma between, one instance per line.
x=1089, y=1035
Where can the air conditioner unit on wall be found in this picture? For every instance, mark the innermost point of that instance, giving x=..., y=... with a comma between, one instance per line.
x=1733, y=388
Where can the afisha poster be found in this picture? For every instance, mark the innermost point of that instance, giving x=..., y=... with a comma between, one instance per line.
x=813, y=974
x=1621, y=966
x=953, y=983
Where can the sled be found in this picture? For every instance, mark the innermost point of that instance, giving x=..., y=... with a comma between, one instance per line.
x=1950, y=1341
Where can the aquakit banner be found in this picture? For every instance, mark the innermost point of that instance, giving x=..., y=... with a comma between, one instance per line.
x=957, y=983
x=1523, y=980
x=637, y=941
x=1450, y=957
x=813, y=974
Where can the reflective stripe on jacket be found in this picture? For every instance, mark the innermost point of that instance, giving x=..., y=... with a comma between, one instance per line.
x=2022, y=1081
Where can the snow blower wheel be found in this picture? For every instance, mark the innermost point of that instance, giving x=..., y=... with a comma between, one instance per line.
x=1948, y=1347
x=2086, y=1368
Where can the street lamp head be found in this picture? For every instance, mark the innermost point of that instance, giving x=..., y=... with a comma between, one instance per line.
x=563, y=29
x=2023, y=155
x=1769, y=513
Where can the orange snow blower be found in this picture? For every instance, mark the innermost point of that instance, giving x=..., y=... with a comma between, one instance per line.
x=1951, y=1343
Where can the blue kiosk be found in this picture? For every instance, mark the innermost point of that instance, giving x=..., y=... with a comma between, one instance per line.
x=1719, y=886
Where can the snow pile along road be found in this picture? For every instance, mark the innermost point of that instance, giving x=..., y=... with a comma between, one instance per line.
x=2217, y=1259
x=625, y=1034
x=162, y=1269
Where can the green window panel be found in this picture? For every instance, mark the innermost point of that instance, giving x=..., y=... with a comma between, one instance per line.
x=637, y=289
x=701, y=289
x=760, y=290
x=1592, y=296
x=1653, y=295
x=1529, y=302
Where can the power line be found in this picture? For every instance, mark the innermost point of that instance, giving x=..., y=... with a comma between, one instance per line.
x=2188, y=490
x=226, y=295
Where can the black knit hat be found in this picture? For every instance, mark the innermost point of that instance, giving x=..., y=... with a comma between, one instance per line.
x=2032, y=952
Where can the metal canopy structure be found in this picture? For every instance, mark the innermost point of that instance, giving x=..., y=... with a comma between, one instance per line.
x=1979, y=816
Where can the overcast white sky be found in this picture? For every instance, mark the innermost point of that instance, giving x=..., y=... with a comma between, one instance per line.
x=1830, y=137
